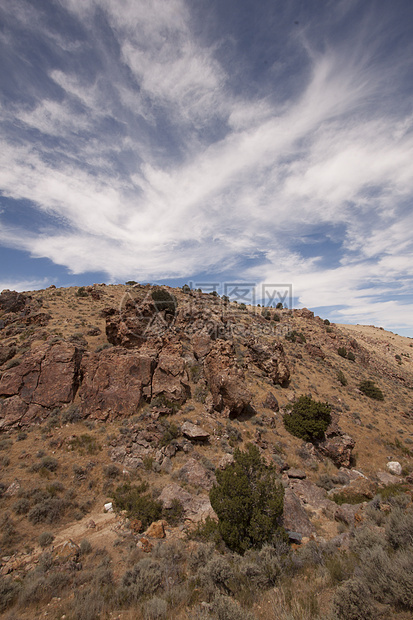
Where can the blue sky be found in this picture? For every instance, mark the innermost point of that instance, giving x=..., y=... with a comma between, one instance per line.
x=212, y=141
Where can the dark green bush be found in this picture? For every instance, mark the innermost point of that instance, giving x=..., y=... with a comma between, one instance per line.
x=342, y=351
x=163, y=300
x=137, y=503
x=308, y=419
x=342, y=377
x=295, y=336
x=81, y=292
x=326, y=322
x=248, y=500
x=371, y=390
x=351, y=356
x=352, y=601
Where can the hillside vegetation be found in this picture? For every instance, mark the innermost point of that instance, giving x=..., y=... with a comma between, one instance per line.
x=254, y=463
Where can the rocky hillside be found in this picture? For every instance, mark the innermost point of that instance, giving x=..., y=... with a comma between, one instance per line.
x=111, y=384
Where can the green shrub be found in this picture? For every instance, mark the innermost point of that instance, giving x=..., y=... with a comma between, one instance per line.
x=81, y=292
x=137, y=503
x=308, y=419
x=163, y=300
x=326, y=322
x=131, y=282
x=248, y=500
x=186, y=289
x=342, y=377
x=342, y=351
x=371, y=390
x=351, y=356
x=295, y=336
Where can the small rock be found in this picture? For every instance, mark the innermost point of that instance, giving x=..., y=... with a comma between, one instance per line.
x=394, y=468
x=156, y=529
x=108, y=507
x=296, y=473
x=145, y=545
x=135, y=525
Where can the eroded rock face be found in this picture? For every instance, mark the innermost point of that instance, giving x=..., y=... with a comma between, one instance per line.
x=46, y=378
x=170, y=378
x=271, y=360
x=115, y=381
x=225, y=379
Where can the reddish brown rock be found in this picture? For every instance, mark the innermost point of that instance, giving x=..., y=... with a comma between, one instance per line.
x=314, y=350
x=271, y=402
x=12, y=301
x=6, y=353
x=46, y=377
x=337, y=446
x=156, y=529
x=225, y=379
x=271, y=360
x=170, y=378
x=202, y=345
x=114, y=381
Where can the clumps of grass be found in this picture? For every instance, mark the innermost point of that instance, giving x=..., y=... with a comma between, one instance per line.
x=71, y=415
x=47, y=464
x=345, y=497
x=85, y=444
x=45, y=539
x=370, y=389
x=49, y=510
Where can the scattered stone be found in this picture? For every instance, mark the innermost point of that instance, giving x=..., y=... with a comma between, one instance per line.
x=156, y=529
x=337, y=446
x=271, y=360
x=394, y=468
x=108, y=507
x=145, y=545
x=12, y=489
x=135, y=525
x=193, y=431
x=296, y=473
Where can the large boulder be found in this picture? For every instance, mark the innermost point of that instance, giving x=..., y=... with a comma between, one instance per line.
x=115, y=381
x=225, y=379
x=12, y=301
x=197, y=475
x=195, y=508
x=271, y=360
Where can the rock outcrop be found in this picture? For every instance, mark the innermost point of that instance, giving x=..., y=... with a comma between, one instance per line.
x=45, y=378
x=115, y=381
x=226, y=380
x=271, y=360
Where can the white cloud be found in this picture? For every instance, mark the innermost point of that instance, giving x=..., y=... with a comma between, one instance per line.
x=158, y=195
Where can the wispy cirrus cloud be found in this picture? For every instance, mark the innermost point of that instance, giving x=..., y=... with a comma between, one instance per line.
x=143, y=159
